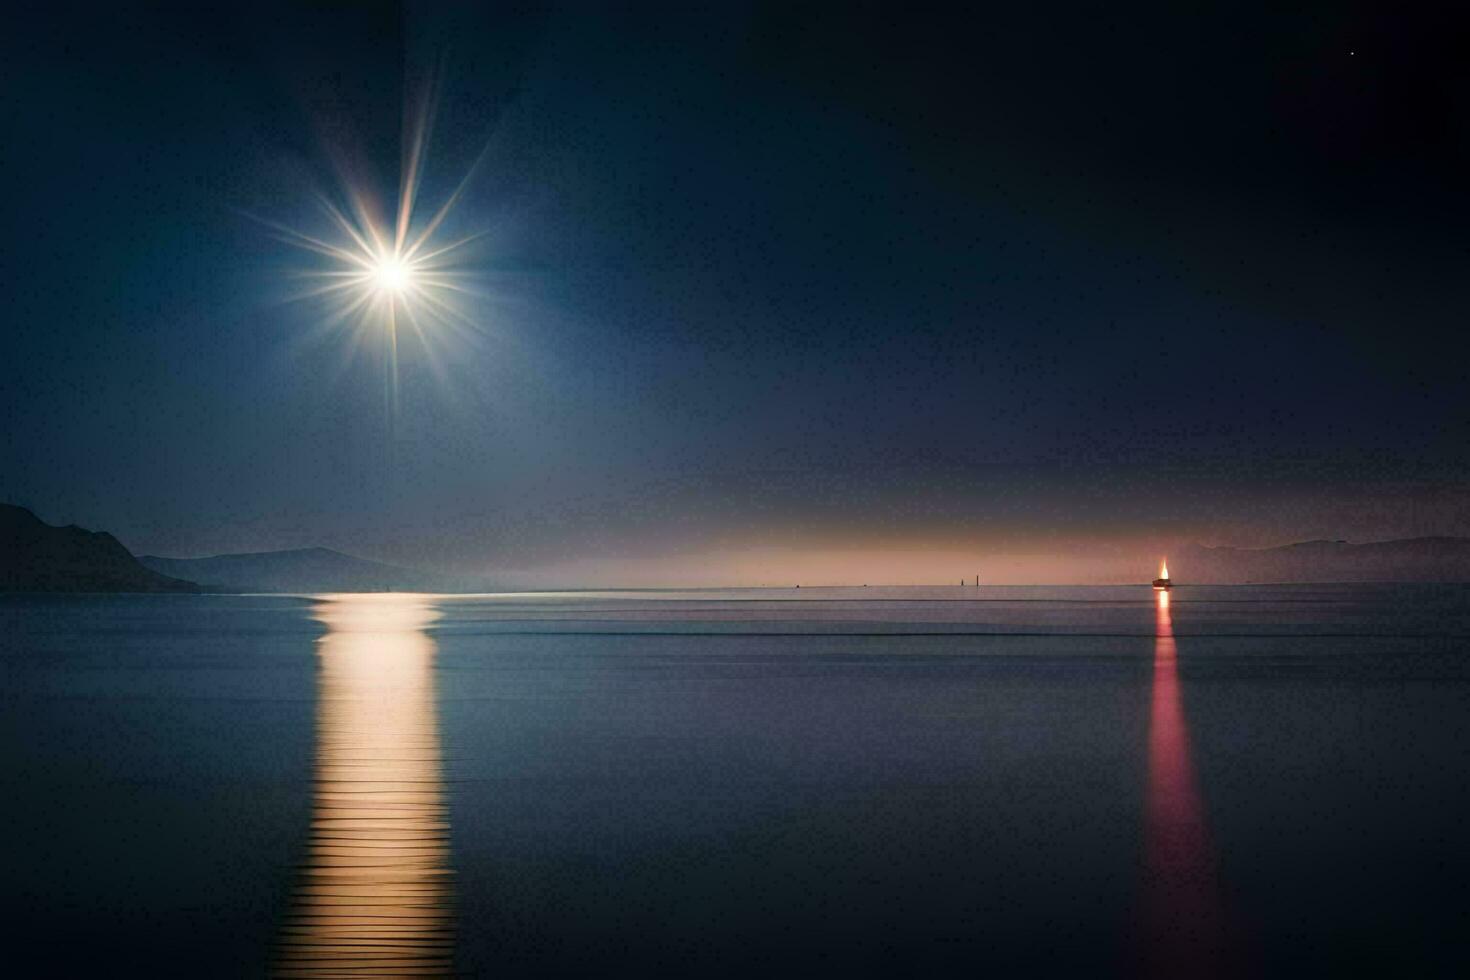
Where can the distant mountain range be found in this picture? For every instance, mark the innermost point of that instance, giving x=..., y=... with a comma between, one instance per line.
x=304, y=570
x=39, y=557
x=1404, y=560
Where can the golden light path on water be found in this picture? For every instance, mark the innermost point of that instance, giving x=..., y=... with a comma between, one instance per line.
x=374, y=896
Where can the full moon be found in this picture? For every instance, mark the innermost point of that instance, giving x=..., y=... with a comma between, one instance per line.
x=382, y=269
x=391, y=275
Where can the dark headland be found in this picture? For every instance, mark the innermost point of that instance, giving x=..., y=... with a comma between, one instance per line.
x=38, y=557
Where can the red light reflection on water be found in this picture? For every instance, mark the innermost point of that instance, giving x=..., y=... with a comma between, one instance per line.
x=1183, y=921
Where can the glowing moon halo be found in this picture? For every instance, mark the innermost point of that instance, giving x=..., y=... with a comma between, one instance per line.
x=379, y=269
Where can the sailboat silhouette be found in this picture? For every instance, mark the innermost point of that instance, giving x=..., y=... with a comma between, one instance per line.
x=1162, y=582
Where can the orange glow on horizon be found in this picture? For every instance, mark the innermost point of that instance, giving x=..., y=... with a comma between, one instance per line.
x=904, y=563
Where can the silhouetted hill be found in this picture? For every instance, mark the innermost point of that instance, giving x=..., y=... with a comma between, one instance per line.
x=37, y=557
x=1405, y=560
x=303, y=570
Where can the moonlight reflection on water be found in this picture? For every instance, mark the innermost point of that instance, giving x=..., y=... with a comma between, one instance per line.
x=375, y=896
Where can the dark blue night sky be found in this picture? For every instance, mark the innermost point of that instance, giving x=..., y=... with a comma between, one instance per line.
x=1063, y=278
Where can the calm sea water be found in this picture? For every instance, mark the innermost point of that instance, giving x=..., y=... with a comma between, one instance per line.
x=1253, y=780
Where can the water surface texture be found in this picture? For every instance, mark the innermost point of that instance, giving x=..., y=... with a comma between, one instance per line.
x=1220, y=781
